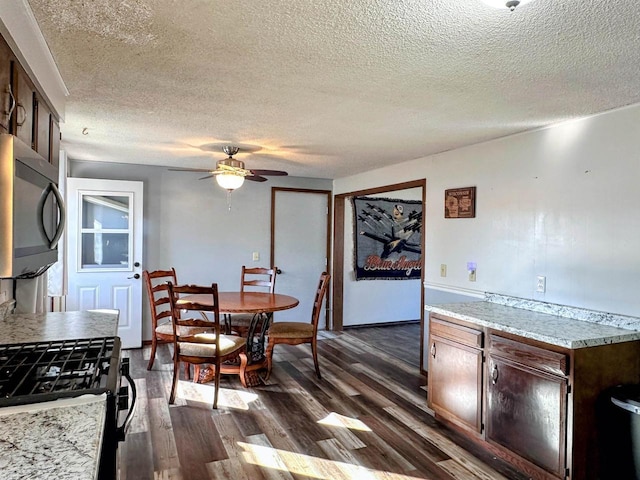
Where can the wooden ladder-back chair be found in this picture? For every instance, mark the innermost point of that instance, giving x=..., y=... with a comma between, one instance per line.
x=295, y=333
x=210, y=346
x=257, y=277
x=158, y=293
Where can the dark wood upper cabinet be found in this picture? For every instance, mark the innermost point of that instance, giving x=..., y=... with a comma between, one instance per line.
x=5, y=85
x=24, y=112
x=54, y=141
x=42, y=127
x=23, y=115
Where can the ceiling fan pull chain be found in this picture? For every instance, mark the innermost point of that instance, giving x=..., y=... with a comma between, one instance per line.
x=229, y=199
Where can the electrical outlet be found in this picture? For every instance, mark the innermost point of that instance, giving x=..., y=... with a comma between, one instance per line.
x=443, y=270
x=256, y=256
x=541, y=284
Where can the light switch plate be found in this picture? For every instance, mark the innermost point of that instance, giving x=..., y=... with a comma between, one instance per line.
x=256, y=256
x=471, y=268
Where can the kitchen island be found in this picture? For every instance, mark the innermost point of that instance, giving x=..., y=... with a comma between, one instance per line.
x=62, y=438
x=527, y=380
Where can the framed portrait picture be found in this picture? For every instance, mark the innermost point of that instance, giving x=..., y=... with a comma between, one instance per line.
x=460, y=202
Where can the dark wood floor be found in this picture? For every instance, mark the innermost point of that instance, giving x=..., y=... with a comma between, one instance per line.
x=400, y=340
x=366, y=419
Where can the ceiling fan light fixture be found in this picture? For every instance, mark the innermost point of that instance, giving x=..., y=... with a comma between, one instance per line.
x=510, y=4
x=230, y=181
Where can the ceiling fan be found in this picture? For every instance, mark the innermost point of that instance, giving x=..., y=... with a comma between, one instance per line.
x=231, y=173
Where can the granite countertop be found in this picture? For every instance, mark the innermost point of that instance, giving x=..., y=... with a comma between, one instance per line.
x=554, y=324
x=52, y=440
x=41, y=327
x=59, y=439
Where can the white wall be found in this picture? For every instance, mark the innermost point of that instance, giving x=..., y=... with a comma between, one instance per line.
x=561, y=202
x=187, y=224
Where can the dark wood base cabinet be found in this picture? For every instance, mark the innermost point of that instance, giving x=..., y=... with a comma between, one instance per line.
x=533, y=404
x=455, y=374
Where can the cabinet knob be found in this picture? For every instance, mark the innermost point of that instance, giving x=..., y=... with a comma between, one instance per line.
x=433, y=349
x=494, y=374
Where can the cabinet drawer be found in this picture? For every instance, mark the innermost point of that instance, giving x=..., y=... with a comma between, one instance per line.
x=468, y=336
x=536, y=357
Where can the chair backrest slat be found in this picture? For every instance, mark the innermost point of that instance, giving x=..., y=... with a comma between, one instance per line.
x=267, y=278
x=321, y=291
x=156, y=285
x=183, y=308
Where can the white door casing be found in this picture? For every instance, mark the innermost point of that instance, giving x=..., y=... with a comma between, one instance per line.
x=105, y=251
x=300, y=248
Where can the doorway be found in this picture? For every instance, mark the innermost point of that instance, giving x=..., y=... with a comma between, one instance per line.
x=105, y=251
x=339, y=229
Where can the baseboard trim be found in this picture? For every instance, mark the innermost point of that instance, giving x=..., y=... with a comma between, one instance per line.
x=382, y=324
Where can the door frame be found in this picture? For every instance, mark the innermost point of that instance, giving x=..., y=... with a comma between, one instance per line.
x=274, y=191
x=338, y=248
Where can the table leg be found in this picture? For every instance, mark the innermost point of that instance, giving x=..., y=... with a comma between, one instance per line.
x=248, y=372
x=254, y=360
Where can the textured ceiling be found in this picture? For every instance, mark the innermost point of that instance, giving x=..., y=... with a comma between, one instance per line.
x=329, y=88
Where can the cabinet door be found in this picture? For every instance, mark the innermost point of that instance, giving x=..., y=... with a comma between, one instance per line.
x=54, y=137
x=455, y=382
x=42, y=128
x=5, y=82
x=526, y=412
x=23, y=113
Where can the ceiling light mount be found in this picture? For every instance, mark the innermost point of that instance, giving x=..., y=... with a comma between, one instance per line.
x=230, y=150
x=510, y=4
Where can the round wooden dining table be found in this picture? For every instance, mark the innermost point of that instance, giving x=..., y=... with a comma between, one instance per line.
x=262, y=305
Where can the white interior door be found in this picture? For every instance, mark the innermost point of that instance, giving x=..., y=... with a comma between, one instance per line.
x=105, y=251
x=300, y=248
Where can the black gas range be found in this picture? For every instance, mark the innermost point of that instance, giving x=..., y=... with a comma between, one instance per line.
x=46, y=371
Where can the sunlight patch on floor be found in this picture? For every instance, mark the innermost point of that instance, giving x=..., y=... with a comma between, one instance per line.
x=203, y=393
x=314, y=467
x=336, y=420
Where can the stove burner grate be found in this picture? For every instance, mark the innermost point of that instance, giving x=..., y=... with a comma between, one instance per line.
x=42, y=371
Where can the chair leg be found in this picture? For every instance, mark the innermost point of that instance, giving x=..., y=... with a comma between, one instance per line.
x=269, y=355
x=174, y=384
x=187, y=370
x=154, y=345
x=314, y=351
x=217, y=385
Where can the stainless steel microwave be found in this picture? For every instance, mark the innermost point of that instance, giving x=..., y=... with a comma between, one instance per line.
x=32, y=213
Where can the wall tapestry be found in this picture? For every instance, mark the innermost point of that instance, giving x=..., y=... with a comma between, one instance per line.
x=388, y=238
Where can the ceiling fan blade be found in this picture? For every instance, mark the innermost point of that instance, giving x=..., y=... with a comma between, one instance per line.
x=208, y=176
x=255, y=178
x=190, y=169
x=275, y=173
